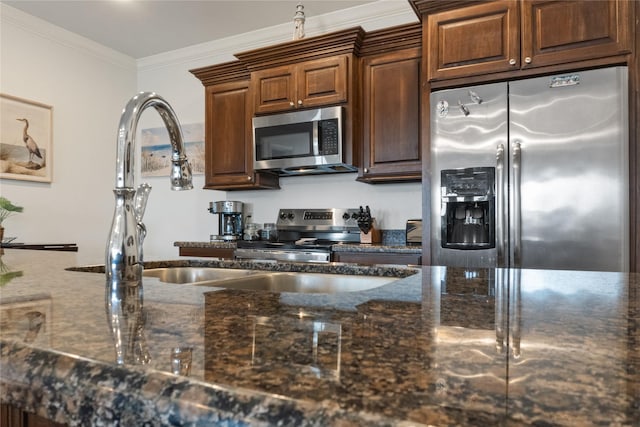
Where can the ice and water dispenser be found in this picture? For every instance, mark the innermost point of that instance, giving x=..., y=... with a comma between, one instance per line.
x=468, y=208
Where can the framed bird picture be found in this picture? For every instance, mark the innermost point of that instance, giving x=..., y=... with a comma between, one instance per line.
x=26, y=139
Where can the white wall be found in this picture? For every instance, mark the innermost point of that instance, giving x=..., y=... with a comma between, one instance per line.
x=168, y=74
x=88, y=85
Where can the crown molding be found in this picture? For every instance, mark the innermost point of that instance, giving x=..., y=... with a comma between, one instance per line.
x=372, y=16
x=53, y=33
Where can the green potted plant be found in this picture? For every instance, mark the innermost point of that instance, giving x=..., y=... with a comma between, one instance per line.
x=6, y=210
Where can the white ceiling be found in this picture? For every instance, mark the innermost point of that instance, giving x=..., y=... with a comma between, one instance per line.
x=141, y=28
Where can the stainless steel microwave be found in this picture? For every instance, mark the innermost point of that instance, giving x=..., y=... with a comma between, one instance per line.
x=301, y=142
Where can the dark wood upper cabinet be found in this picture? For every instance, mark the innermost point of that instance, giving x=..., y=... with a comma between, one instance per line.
x=304, y=85
x=473, y=40
x=497, y=36
x=305, y=73
x=313, y=72
x=556, y=32
x=391, y=105
x=228, y=138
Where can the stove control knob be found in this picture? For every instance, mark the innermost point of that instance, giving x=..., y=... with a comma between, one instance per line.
x=283, y=215
x=354, y=215
x=291, y=216
x=345, y=216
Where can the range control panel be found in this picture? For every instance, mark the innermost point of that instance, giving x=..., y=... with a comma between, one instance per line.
x=329, y=218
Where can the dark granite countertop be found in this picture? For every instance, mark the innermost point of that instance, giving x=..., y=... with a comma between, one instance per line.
x=440, y=347
x=342, y=247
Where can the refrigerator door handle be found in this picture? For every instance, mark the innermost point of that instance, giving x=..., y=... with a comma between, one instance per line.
x=516, y=209
x=501, y=212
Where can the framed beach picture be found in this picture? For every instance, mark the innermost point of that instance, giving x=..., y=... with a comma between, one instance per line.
x=156, y=149
x=26, y=139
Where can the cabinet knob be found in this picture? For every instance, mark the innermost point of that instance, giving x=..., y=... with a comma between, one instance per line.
x=249, y=178
x=366, y=170
x=512, y=61
x=291, y=104
x=527, y=60
x=299, y=101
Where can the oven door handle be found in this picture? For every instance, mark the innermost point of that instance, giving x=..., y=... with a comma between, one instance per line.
x=315, y=140
x=283, y=255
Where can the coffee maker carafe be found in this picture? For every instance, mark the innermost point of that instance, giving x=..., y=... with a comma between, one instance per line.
x=230, y=223
x=468, y=208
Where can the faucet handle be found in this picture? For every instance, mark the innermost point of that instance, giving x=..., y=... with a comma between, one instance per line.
x=140, y=203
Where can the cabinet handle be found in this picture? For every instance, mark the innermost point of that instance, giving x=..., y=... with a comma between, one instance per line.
x=512, y=61
x=299, y=101
x=527, y=60
x=291, y=104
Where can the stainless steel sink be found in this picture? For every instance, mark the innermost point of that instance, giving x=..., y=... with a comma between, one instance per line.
x=314, y=283
x=195, y=274
x=267, y=281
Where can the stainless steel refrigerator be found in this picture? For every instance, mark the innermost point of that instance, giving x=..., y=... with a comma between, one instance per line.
x=532, y=173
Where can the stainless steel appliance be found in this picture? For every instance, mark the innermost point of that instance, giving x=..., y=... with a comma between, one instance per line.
x=305, y=235
x=301, y=142
x=532, y=173
x=230, y=221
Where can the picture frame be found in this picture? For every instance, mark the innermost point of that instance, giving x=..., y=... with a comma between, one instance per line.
x=156, y=149
x=26, y=139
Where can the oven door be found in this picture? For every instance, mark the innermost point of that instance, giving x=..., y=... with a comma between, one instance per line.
x=283, y=145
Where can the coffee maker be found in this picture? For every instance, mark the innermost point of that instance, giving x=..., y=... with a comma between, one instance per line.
x=468, y=208
x=230, y=223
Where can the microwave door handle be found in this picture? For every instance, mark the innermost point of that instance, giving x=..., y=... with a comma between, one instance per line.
x=315, y=139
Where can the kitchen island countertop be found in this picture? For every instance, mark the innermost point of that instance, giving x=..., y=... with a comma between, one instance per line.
x=440, y=347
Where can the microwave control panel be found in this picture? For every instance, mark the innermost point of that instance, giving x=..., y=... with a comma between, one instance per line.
x=328, y=136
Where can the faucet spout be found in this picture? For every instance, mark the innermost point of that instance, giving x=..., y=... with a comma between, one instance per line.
x=123, y=264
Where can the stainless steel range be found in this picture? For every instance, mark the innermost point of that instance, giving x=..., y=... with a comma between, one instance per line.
x=305, y=235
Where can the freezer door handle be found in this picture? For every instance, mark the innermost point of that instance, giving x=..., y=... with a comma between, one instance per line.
x=501, y=212
x=515, y=208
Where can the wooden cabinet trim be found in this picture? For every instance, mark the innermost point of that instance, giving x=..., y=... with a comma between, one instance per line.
x=337, y=43
x=232, y=71
x=392, y=39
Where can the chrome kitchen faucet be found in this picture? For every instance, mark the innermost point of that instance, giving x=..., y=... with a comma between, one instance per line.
x=124, y=248
x=123, y=264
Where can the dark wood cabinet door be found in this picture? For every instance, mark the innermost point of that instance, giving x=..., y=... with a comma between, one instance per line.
x=391, y=117
x=322, y=82
x=274, y=89
x=228, y=140
x=372, y=258
x=12, y=416
x=225, y=253
x=484, y=38
x=556, y=32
